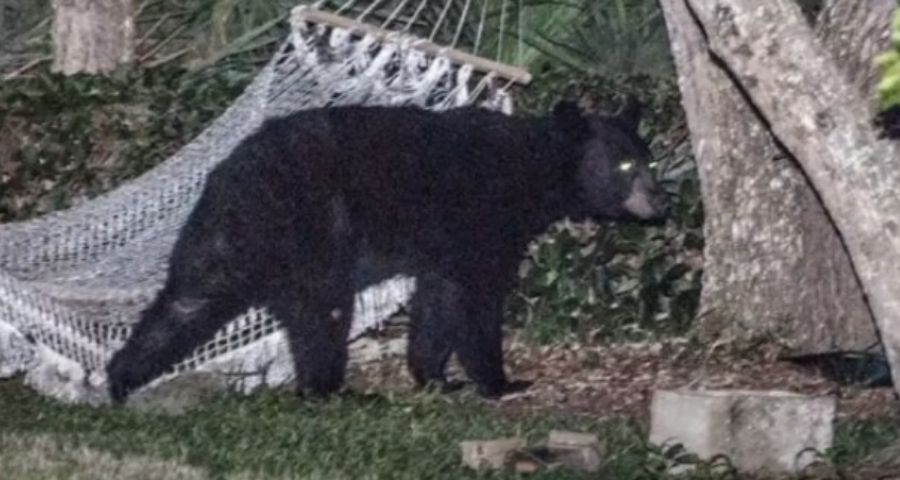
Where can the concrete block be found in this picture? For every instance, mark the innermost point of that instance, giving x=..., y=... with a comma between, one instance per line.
x=565, y=438
x=489, y=454
x=760, y=431
x=576, y=451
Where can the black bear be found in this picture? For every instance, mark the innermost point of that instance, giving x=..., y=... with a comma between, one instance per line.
x=451, y=198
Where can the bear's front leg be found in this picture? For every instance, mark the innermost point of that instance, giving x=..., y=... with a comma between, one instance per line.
x=315, y=305
x=317, y=333
x=434, y=308
x=479, y=344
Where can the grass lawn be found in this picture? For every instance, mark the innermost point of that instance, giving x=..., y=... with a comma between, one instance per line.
x=276, y=435
x=394, y=435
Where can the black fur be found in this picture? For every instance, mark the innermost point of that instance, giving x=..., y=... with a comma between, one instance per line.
x=451, y=198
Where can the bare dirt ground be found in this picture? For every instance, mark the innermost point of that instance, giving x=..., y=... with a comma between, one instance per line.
x=619, y=379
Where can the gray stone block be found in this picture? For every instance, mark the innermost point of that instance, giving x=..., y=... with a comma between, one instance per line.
x=489, y=454
x=760, y=431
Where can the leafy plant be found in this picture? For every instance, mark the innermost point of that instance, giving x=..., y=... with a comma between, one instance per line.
x=889, y=62
x=611, y=281
x=888, y=88
x=857, y=439
x=206, y=32
x=73, y=137
x=194, y=33
x=594, y=282
x=613, y=37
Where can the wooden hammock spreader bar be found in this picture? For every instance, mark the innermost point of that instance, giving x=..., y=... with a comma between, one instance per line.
x=509, y=72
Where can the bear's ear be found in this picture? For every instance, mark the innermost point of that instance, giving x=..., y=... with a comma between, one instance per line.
x=570, y=118
x=630, y=113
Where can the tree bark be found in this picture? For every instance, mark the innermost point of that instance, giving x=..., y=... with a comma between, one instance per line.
x=825, y=122
x=92, y=36
x=854, y=31
x=774, y=264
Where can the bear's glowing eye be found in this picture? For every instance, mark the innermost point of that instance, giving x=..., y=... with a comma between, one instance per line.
x=626, y=166
x=653, y=165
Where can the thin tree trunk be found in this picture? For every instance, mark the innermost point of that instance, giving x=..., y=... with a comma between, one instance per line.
x=92, y=36
x=774, y=264
x=825, y=122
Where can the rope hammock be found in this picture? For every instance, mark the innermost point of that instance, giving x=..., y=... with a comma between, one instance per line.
x=73, y=282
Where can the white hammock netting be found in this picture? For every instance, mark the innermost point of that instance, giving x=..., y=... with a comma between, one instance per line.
x=73, y=282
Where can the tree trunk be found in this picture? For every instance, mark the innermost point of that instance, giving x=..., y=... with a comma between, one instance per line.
x=92, y=36
x=825, y=122
x=774, y=264
x=854, y=31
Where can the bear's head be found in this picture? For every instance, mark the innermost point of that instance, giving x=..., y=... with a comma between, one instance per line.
x=613, y=175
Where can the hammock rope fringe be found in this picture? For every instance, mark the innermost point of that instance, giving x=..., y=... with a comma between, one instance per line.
x=72, y=283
